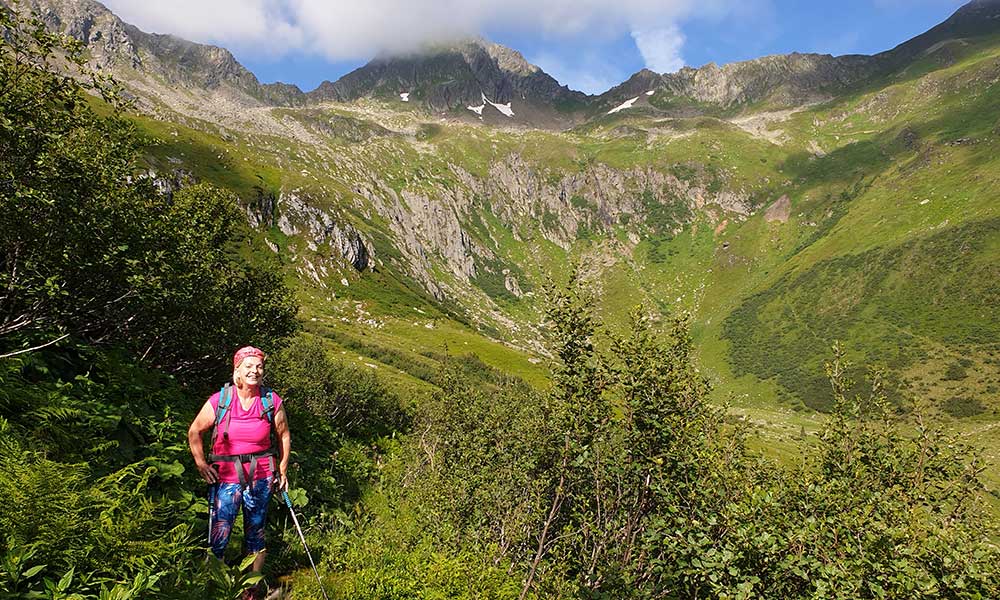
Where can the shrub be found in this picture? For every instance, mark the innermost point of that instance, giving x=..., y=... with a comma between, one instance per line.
x=962, y=406
x=955, y=372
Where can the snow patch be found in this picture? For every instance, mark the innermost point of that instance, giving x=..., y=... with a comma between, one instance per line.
x=477, y=109
x=405, y=96
x=623, y=105
x=650, y=92
x=503, y=108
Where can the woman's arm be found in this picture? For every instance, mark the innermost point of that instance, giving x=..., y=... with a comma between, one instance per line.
x=285, y=438
x=202, y=423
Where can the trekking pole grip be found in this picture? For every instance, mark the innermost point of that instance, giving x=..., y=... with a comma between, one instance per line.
x=288, y=501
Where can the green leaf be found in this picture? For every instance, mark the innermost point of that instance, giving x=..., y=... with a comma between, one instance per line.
x=298, y=497
x=66, y=580
x=33, y=571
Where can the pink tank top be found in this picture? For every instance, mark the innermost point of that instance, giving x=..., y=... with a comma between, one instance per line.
x=249, y=431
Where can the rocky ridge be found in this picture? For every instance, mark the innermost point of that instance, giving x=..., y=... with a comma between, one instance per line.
x=795, y=79
x=478, y=80
x=157, y=60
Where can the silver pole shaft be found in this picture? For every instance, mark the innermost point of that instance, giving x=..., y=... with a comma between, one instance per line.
x=211, y=511
x=302, y=537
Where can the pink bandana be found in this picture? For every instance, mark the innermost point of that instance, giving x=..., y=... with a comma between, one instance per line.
x=246, y=352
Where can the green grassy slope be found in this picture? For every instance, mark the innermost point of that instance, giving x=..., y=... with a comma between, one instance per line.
x=890, y=243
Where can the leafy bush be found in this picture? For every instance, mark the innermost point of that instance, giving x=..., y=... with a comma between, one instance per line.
x=92, y=250
x=954, y=372
x=623, y=481
x=963, y=406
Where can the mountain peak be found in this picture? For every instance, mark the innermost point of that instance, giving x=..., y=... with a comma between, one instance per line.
x=456, y=76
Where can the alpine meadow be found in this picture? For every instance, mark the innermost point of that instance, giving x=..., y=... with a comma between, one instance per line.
x=728, y=332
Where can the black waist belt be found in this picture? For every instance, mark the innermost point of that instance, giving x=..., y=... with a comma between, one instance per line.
x=251, y=458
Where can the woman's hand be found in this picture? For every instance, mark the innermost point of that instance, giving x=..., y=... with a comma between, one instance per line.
x=208, y=472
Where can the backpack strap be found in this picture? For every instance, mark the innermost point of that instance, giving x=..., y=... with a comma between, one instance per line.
x=225, y=401
x=267, y=404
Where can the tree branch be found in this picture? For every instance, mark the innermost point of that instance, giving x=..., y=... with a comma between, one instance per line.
x=33, y=348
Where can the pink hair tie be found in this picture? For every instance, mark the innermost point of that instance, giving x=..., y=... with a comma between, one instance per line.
x=246, y=352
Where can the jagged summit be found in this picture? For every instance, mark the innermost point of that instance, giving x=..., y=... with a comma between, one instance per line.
x=456, y=76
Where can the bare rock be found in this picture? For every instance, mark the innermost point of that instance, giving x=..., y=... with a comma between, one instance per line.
x=779, y=210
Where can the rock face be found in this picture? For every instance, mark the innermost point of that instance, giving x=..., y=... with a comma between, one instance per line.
x=107, y=37
x=201, y=66
x=352, y=247
x=299, y=216
x=437, y=225
x=788, y=79
x=784, y=80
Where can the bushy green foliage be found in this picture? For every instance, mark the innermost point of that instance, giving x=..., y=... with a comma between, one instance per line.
x=92, y=250
x=331, y=406
x=345, y=400
x=98, y=502
x=955, y=372
x=110, y=527
x=624, y=482
x=963, y=406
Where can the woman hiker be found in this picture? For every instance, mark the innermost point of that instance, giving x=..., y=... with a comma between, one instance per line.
x=250, y=446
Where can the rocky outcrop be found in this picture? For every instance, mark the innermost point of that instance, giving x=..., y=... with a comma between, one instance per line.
x=299, y=216
x=428, y=231
x=511, y=284
x=783, y=80
x=351, y=246
x=597, y=199
x=789, y=80
x=779, y=210
x=107, y=38
x=434, y=229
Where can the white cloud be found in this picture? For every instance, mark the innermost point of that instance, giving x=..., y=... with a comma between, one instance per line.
x=660, y=47
x=346, y=30
x=262, y=24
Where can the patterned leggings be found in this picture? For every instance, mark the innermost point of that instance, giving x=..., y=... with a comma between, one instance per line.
x=229, y=499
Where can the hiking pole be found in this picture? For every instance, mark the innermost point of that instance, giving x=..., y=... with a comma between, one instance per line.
x=211, y=511
x=288, y=503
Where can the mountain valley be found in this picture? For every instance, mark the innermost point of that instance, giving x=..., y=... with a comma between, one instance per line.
x=421, y=204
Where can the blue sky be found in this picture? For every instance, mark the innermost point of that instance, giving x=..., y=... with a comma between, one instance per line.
x=589, y=45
